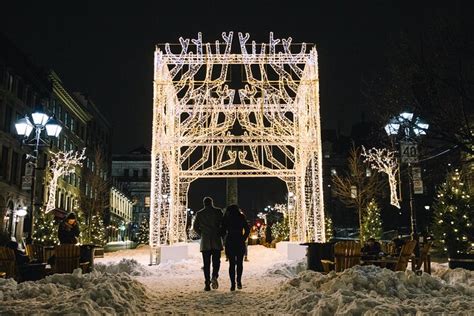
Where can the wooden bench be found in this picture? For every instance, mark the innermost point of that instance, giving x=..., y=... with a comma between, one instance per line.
x=67, y=259
x=346, y=255
x=99, y=252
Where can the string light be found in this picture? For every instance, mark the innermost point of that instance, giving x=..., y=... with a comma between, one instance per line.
x=194, y=113
x=62, y=164
x=383, y=160
x=454, y=215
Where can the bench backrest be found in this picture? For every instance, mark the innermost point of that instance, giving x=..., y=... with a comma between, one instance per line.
x=405, y=254
x=8, y=262
x=346, y=254
x=66, y=258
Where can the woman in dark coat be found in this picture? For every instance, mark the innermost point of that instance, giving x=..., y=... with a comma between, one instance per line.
x=236, y=231
x=68, y=231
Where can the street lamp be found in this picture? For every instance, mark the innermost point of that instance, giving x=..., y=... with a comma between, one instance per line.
x=39, y=122
x=408, y=127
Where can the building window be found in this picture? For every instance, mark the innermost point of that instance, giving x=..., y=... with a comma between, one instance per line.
x=135, y=173
x=11, y=82
x=4, y=163
x=147, y=201
x=125, y=172
x=7, y=122
x=14, y=169
x=145, y=173
x=66, y=119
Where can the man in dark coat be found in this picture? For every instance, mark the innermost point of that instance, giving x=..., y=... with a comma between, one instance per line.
x=68, y=231
x=208, y=225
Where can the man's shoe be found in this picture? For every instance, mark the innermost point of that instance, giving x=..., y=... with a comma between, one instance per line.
x=232, y=287
x=214, y=283
x=239, y=285
x=246, y=259
x=207, y=287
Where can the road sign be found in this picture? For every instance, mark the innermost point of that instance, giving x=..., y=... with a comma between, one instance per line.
x=416, y=173
x=417, y=186
x=409, y=152
x=26, y=182
x=29, y=167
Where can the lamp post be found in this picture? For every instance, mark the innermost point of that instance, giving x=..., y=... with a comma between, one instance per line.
x=408, y=127
x=39, y=122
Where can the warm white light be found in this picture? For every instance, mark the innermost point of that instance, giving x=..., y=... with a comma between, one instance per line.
x=23, y=127
x=383, y=160
x=194, y=112
x=427, y=207
x=39, y=119
x=21, y=212
x=62, y=164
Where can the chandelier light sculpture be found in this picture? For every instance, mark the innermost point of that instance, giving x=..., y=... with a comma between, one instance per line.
x=268, y=127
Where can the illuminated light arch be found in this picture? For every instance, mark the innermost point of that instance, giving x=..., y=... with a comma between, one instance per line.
x=195, y=115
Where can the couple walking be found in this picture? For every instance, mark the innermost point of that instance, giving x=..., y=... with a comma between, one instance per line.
x=212, y=225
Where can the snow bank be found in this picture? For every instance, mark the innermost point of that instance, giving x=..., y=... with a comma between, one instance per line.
x=129, y=266
x=287, y=269
x=93, y=294
x=370, y=290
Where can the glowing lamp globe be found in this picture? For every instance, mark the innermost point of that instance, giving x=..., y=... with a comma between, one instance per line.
x=23, y=127
x=53, y=128
x=39, y=118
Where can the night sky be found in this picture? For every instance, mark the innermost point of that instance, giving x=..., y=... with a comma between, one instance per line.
x=105, y=48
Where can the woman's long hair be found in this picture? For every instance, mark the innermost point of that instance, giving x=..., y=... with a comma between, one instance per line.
x=233, y=211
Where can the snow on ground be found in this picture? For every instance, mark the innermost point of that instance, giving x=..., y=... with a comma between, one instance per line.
x=123, y=283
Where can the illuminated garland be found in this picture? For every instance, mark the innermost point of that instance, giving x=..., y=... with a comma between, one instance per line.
x=144, y=232
x=384, y=160
x=62, y=164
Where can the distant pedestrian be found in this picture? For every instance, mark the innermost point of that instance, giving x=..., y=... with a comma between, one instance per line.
x=68, y=231
x=236, y=230
x=208, y=225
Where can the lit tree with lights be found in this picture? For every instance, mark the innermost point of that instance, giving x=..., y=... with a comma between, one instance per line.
x=46, y=230
x=454, y=215
x=144, y=232
x=329, y=228
x=372, y=223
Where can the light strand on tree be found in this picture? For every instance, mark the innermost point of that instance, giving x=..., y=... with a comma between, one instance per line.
x=384, y=160
x=62, y=164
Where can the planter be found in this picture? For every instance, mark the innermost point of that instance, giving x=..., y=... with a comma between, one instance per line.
x=463, y=260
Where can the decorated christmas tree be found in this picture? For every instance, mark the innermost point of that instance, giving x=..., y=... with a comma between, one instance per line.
x=328, y=228
x=144, y=232
x=46, y=229
x=453, y=216
x=371, y=223
x=97, y=231
x=281, y=230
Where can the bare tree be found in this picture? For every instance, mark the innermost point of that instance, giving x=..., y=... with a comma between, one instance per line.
x=95, y=198
x=431, y=71
x=359, y=185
